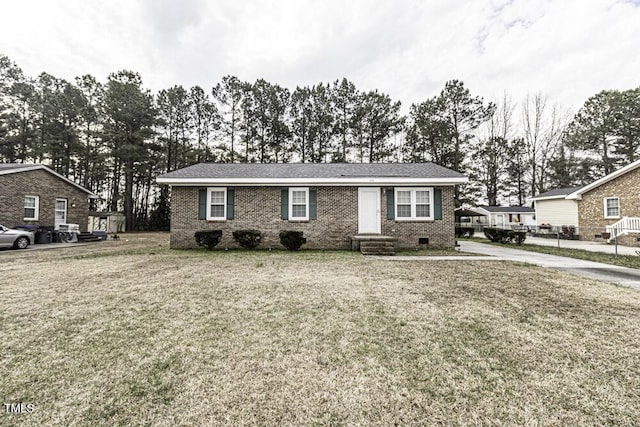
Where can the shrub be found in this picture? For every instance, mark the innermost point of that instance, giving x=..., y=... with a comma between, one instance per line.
x=464, y=231
x=248, y=239
x=208, y=238
x=292, y=240
x=505, y=236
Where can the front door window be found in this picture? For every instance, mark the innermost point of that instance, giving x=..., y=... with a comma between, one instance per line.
x=61, y=212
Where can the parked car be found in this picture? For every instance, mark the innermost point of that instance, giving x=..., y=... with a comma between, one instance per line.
x=16, y=239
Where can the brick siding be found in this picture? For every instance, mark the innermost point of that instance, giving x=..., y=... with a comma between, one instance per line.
x=15, y=186
x=591, y=208
x=337, y=219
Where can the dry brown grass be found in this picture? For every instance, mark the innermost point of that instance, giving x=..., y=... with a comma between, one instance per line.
x=131, y=333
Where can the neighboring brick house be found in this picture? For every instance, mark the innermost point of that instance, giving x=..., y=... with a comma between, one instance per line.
x=601, y=210
x=33, y=194
x=331, y=203
x=611, y=205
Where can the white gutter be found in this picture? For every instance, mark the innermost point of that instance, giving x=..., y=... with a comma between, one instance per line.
x=339, y=182
x=561, y=196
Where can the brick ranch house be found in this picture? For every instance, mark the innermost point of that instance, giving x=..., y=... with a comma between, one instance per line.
x=601, y=210
x=334, y=204
x=33, y=194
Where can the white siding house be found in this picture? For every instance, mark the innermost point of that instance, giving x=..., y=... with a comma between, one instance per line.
x=553, y=208
x=557, y=212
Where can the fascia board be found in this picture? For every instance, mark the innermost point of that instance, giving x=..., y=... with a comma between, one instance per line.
x=16, y=170
x=480, y=210
x=561, y=196
x=46, y=169
x=577, y=195
x=338, y=182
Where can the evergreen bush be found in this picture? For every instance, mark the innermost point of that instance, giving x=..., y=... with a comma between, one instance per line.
x=208, y=238
x=248, y=239
x=465, y=231
x=505, y=236
x=292, y=240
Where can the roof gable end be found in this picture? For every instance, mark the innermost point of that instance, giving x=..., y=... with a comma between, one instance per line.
x=9, y=168
x=577, y=195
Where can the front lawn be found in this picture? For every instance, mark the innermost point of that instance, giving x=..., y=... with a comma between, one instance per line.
x=132, y=333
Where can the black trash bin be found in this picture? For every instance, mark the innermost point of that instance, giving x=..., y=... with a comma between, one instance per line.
x=43, y=236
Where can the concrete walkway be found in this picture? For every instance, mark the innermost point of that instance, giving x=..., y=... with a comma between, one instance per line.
x=44, y=246
x=583, y=244
x=624, y=276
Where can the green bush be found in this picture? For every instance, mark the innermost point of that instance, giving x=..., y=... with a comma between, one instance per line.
x=248, y=239
x=292, y=240
x=465, y=231
x=505, y=236
x=208, y=238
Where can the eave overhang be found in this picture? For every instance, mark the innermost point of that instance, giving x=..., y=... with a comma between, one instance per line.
x=331, y=182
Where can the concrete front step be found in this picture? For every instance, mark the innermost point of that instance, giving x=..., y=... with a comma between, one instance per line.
x=374, y=244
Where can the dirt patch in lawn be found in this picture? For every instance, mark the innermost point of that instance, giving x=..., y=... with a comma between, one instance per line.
x=134, y=333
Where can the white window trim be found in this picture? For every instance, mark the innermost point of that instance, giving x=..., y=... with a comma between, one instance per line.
x=413, y=216
x=306, y=196
x=37, y=208
x=606, y=210
x=224, y=215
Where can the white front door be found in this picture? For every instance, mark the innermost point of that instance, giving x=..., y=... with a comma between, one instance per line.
x=500, y=220
x=369, y=210
x=61, y=213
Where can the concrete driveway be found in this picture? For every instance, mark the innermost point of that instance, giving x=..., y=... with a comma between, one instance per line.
x=624, y=276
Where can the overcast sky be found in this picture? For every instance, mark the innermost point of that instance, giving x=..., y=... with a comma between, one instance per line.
x=566, y=49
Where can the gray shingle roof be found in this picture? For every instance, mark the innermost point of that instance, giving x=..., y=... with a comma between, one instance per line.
x=558, y=192
x=313, y=170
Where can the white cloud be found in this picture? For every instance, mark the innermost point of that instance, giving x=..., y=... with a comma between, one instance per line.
x=568, y=49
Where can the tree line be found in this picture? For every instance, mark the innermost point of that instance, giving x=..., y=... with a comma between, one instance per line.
x=115, y=137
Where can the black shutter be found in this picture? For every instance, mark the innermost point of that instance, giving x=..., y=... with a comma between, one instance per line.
x=230, y=203
x=284, y=204
x=437, y=203
x=391, y=206
x=202, y=203
x=313, y=204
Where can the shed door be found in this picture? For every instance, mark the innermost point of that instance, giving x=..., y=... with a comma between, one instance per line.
x=369, y=210
x=61, y=213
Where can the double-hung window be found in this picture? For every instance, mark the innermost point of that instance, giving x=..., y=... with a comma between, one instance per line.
x=414, y=204
x=216, y=204
x=31, y=208
x=612, y=207
x=298, y=204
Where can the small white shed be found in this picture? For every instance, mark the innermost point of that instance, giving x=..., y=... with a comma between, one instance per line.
x=109, y=222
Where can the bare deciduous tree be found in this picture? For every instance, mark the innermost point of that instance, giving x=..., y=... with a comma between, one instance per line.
x=542, y=128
